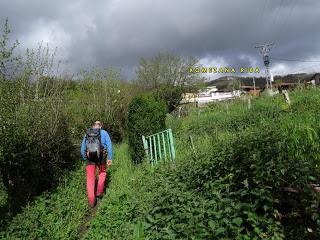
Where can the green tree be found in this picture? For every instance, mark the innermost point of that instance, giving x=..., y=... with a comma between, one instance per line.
x=234, y=84
x=7, y=60
x=168, y=75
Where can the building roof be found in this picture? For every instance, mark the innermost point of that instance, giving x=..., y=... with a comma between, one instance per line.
x=314, y=76
x=284, y=84
x=249, y=87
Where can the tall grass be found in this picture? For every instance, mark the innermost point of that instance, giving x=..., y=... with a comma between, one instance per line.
x=57, y=215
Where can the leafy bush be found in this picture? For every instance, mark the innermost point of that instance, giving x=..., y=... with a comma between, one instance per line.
x=34, y=136
x=172, y=95
x=146, y=116
x=36, y=150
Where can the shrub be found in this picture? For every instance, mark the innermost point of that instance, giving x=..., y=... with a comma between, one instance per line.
x=172, y=95
x=102, y=95
x=36, y=151
x=146, y=116
x=268, y=150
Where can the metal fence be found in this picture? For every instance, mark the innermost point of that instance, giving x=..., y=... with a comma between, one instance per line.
x=159, y=147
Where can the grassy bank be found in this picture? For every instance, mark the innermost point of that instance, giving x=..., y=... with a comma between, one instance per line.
x=55, y=215
x=233, y=184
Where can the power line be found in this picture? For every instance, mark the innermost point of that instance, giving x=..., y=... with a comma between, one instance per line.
x=261, y=13
x=295, y=60
x=277, y=16
x=282, y=27
x=309, y=67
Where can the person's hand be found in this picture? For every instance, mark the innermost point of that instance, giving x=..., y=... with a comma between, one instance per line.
x=109, y=163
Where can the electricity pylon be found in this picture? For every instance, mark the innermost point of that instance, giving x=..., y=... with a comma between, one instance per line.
x=264, y=50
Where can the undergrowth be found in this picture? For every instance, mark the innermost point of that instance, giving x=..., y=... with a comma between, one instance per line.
x=55, y=215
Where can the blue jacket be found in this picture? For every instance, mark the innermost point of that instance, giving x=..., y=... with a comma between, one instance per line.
x=105, y=141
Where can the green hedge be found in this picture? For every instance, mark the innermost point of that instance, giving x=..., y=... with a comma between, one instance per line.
x=35, y=142
x=146, y=116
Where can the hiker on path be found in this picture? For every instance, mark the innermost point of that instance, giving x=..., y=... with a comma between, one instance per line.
x=95, y=149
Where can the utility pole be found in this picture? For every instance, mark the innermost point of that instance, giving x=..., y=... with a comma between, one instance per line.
x=254, y=85
x=264, y=50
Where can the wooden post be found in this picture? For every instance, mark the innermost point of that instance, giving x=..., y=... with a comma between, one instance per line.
x=192, y=145
x=286, y=96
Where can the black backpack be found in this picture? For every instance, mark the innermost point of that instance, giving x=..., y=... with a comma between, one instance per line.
x=93, y=143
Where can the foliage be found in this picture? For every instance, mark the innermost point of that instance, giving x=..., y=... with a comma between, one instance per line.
x=100, y=96
x=35, y=141
x=233, y=184
x=167, y=74
x=34, y=136
x=57, y=215
x=146, y=116
x=269, y=147
x=7, y=60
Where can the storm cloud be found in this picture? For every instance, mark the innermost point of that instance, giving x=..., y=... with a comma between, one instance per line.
x=219, y=33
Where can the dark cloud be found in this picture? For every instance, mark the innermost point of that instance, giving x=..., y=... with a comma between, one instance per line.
x=117, y=33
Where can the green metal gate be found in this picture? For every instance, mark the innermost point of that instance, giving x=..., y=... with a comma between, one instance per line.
x=159, y=147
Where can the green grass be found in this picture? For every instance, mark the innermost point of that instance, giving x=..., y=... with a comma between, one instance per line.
x=117, y=215
x=56, y=215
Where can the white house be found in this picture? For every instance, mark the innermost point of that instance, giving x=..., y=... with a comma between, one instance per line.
x=210, y=94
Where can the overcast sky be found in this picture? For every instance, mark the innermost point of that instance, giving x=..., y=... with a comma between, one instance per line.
x=219, y=32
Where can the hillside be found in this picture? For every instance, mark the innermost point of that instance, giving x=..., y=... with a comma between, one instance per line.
x=226, y=82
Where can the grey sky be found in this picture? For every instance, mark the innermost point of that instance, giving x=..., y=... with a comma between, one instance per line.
x=220, y=33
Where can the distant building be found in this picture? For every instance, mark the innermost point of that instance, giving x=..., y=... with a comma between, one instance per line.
x=208, y=91
x=315, y=79
x=251, y=90
x=210, y=94
x=285, y=86
x=217, y=96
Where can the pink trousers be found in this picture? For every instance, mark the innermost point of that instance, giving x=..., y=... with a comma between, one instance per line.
x=91, y=180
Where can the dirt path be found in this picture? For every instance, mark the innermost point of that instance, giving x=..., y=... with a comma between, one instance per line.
x=86, y=219
x=92, y=211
